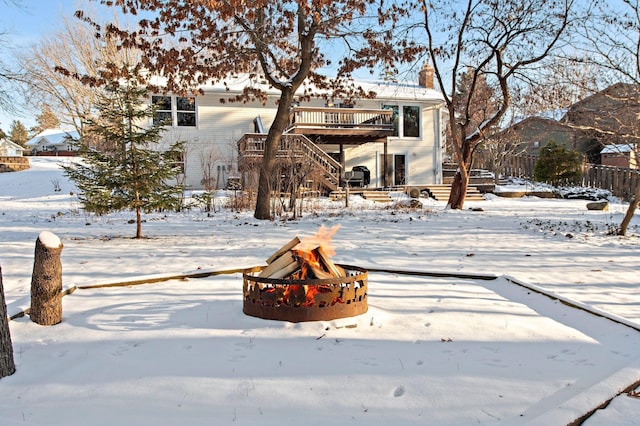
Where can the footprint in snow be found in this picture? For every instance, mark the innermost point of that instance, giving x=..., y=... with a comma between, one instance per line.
x=398, y=392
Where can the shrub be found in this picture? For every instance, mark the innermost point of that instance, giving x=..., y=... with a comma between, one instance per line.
x=558, y=165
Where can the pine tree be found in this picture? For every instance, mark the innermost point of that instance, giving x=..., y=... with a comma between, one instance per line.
x=45, y=120
x=18, y=133
x=133, y=174
x=558, y=165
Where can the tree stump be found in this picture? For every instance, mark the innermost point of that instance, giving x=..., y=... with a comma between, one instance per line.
x=46, y=281
x=7, y=365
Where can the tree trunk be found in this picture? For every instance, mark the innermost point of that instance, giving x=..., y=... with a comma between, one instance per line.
x=271, y=145
x=138, y=223
x=7, y=365
x=46, y=281
x=458, y=189
x=633, y=205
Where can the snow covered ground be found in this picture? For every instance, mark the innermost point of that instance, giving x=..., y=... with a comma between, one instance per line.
x=430, y=350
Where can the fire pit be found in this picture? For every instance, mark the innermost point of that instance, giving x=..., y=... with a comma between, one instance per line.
x=301, y=283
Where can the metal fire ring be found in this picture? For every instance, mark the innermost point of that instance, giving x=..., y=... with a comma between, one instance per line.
x=340, y=297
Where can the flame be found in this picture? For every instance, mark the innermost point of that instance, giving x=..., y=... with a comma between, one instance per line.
x=309, y=292
x=321, y=238
x=308, y=258
x=306, y=252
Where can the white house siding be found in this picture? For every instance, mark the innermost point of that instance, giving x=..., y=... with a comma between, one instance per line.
x=10, y=149
x=214, y=139
x=219, y=126
x=422, y=154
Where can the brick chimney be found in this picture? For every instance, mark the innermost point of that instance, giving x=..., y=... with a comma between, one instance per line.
x=425, y=76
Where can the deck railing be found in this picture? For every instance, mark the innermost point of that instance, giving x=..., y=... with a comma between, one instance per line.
x=350, y=118
x=292, y=148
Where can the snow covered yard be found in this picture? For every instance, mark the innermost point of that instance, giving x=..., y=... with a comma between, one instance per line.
x=428, y=351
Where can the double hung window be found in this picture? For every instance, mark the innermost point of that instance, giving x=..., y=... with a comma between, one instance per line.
x=179, y=111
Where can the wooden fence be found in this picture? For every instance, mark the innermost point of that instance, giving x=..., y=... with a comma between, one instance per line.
x=622, y=182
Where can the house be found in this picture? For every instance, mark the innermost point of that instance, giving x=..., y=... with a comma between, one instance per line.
x=11, y=158
x=532, y=133
x=10, y=149
x=619, y=155
x=54, y=142
x=396, y=137
x=607, y=117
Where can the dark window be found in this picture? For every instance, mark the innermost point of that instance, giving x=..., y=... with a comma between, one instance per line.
x=394, y=117
x=186, y=111
x=411, y=121
x=178, y=160
x=163, y=110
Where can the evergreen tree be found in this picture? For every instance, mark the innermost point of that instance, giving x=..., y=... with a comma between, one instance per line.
x=134, y=174
x=18, y=133
x=3, y=135
x=558, y=165
x=45, y=120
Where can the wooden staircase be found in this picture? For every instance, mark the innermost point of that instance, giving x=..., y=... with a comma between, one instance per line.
x=293, y=148
x=441, y=192
x=367, y=194
x=377, y=196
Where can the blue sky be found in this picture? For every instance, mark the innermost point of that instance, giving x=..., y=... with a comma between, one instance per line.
x=25, y=24
x=33, y=18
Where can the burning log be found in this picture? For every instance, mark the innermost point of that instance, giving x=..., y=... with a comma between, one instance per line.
x=282, y=250
x=301, y=261
x=333, y=269
x=284, y=265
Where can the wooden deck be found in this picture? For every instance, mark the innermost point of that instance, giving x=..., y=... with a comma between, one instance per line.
x=342, y=125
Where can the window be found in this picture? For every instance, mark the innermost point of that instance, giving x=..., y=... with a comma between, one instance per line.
x=183, y=107
x=411, y=121
x=178, y=161
x=394, y=117
x=163, y=111
x=186, y=111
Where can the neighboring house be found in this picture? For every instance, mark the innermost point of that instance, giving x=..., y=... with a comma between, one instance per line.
x=54, y=142
x=397, y=135
x=607, y=117
x=11, y=158
x=619, y=155
x=10, y=149
x=533, y=133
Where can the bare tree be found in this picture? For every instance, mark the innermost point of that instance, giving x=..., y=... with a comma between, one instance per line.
x=54, y=69
x=8, y=76
x=498, y=149
x=551, y=89
x=613, y=44
x=296, y=170
x=209, y=181
x=494, y=40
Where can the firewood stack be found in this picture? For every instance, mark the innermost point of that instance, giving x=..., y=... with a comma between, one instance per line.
x=297, y=260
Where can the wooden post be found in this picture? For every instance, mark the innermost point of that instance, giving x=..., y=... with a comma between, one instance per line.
x=7, y=365
x=46, y=281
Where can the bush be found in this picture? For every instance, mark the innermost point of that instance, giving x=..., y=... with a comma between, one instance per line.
x=558, y=165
